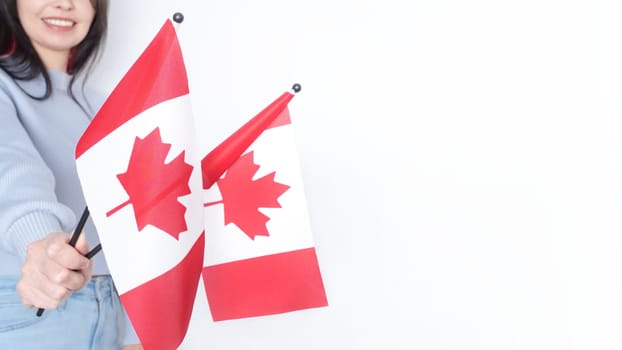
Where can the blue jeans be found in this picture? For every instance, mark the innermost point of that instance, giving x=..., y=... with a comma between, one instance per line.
x=92, y=318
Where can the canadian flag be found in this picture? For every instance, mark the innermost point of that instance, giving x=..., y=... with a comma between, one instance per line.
x=260, y=257
x=142, y=182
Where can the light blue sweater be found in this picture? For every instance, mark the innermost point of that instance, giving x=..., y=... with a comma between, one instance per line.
x=39, y=186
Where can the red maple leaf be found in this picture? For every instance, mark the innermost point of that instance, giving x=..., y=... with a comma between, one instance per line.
x=242, y=196
x=153, y=186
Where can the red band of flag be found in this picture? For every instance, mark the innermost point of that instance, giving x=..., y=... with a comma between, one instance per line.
x=264, y=285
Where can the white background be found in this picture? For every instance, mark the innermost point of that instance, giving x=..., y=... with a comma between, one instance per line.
x=462, y=161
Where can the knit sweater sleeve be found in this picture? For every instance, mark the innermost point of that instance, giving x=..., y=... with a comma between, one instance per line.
x=29, y=209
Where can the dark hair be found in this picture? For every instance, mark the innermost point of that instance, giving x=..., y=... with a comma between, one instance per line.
x=19, y=59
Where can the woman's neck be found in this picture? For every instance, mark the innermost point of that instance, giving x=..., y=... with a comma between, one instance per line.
x=53, y=59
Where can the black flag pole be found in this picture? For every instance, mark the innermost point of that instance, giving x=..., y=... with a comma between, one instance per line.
x=74, y=239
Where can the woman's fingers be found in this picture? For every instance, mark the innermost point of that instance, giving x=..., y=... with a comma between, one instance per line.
x=53, y=270
x=58, y=250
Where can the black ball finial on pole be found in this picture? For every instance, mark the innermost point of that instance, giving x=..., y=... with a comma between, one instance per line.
x=296, y=88
x=178, y=17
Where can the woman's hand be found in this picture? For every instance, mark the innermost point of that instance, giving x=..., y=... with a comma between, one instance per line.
x=53, y=270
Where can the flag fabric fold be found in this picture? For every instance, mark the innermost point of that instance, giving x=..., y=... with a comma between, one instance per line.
x=142, y=182
x=216, y=162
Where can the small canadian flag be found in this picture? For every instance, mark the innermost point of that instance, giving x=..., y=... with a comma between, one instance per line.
x=260, y=257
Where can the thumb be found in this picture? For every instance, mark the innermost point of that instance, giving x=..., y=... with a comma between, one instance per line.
x=82, y=245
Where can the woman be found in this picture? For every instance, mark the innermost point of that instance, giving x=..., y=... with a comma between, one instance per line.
x=45, y=45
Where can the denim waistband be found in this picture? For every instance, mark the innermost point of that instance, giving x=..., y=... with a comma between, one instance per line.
x=98, y=288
